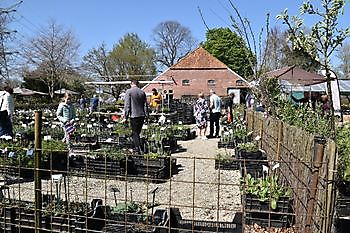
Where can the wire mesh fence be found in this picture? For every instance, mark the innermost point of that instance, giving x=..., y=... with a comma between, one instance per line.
x=180, y=184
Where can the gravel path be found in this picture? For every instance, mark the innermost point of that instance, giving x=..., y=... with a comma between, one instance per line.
x=198, y=190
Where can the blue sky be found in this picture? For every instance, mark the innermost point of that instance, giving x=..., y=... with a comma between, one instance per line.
x=97, y=21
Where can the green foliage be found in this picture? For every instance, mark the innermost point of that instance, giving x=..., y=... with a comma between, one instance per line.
x=247, y=147
x=306, y=117
x=122, y=129
x=270, y=92
x=230, y=48
x=54, y=145
x=266, y=189
x=325, y=35
x=223, y=156
x=115, y=154
x=61, y=207
x=109, y=108
x=298, y=57
x=343, y=145
x=126, y=207
x=151, y=155
x=133, y=56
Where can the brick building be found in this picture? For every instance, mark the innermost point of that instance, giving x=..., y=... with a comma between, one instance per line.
x=197, y=72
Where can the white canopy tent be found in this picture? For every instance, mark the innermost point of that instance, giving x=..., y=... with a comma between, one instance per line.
x=63, y=90
x=344, y=87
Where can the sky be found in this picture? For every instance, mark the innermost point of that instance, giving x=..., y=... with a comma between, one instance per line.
x=106, y=21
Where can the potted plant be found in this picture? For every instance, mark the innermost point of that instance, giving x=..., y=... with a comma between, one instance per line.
x=266, y=201
x=16, y=161
x=248, y=150
x=56, y=156
x=225, y=161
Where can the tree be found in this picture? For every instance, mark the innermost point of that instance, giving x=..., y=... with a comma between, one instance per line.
x=131, y=58
x=279, y=53
x=325, y=36
x=172, y=42
x=274, y=50
x=300, y=58
x=344, y=56
x=52, y=54
x=95, y=63
x=6, y=39
x=229, y=48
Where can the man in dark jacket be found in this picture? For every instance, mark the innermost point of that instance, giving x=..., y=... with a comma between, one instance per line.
x=135, y=108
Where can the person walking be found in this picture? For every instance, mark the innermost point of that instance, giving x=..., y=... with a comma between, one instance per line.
x=66, y=114
x=94, y=104
x=7, y=108
x=201, y=109
x=215, y=113
x=229, y=107
x=82, y=102
x=135, y=109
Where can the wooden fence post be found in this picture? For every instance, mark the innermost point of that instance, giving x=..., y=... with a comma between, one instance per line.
x=279, y=140
x=37, y=173
x=317, y=164
x=331, y=188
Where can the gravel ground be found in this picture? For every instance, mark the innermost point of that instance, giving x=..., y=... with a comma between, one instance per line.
x=198, y=190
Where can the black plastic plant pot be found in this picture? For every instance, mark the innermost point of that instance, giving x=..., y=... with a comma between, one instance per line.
x=344, y=188
x=343, y=206
x=257, y=155
x=342, y=224
x=226, y=165
x=228, y=145
x=252, y=167
x=253, y=204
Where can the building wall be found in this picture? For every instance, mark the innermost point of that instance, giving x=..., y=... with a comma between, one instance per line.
x=198, y=82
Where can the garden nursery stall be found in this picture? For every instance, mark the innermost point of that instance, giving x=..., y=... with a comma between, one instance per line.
x=260, y=175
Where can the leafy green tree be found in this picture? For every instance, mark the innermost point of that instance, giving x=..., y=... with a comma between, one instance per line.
x=230, y=48
x=131, y=58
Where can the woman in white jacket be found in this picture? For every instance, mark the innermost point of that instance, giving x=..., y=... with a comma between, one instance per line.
x=7, y=108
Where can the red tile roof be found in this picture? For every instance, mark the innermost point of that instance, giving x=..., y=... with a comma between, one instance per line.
x=199, y=59
x=198, y=67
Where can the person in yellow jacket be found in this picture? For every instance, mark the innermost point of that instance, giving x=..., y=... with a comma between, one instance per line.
x=156, y=100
